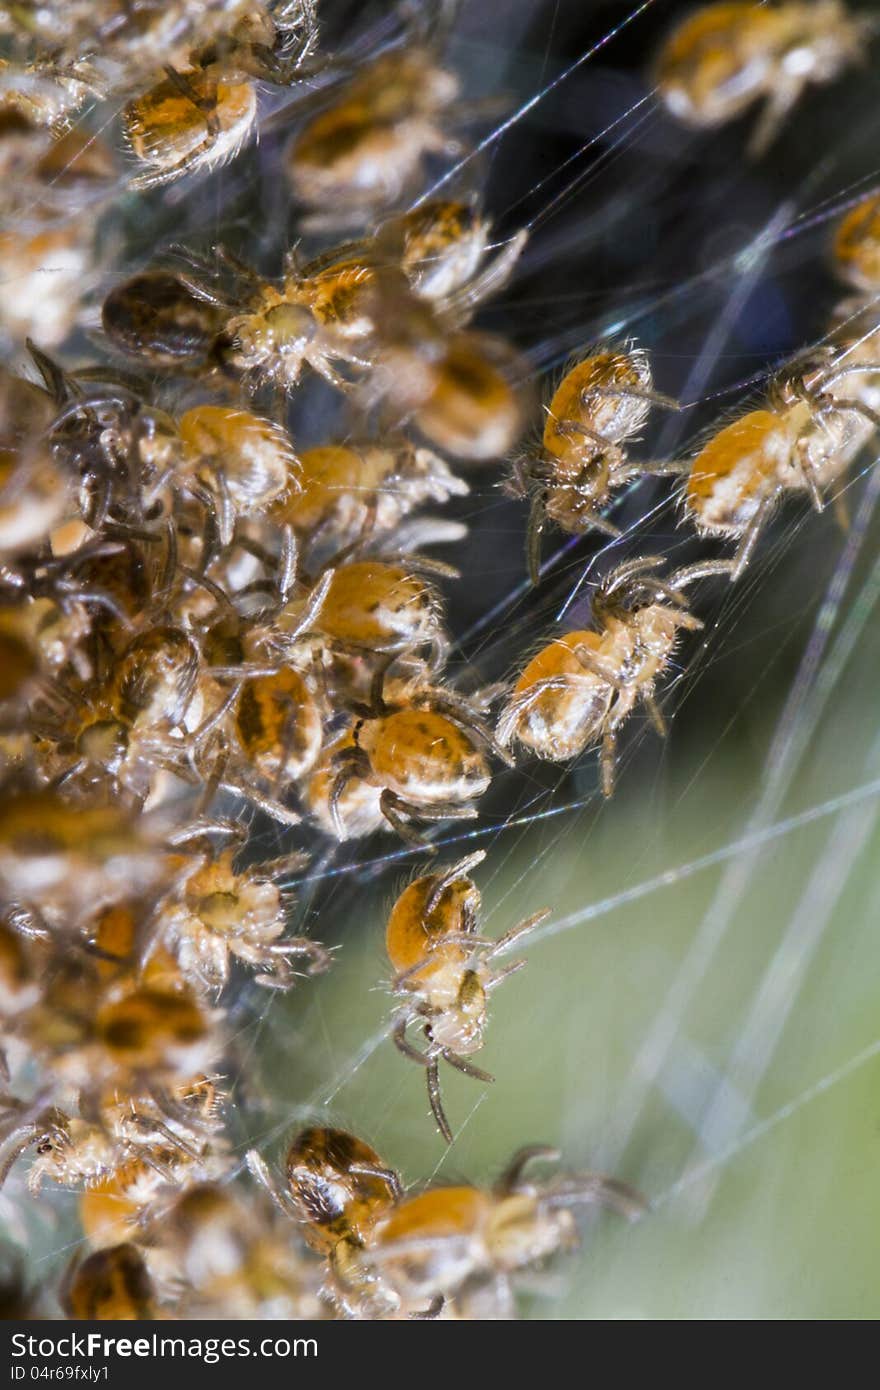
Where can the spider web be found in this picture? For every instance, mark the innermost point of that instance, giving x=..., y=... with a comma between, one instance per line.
x=699, y=1014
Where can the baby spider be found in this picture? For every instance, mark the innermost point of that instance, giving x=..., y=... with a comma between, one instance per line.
x=808, y=433
x=581, y=688
x=721, y=60
x=231, y=462
x=264, y=736
x=325, y=313
x=201, y=113
x=418, y=760
x=366, y=148
x=442, y=247
x=122, y=732
x=380, y=608
x=457, y=1244
x=600, y=403
x=445, y=970
x=353, y=490
x=458, y=391
x=136, y=1146
x=223, y=913
x=336, y=1188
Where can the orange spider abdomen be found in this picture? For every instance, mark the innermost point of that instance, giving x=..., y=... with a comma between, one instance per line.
x=421, y=754
x=576, y=402
x=720, y=59
x=558, y=721
x=440, y=1212
x=112, y=1284
x=378, y=606
x=737, y=472
x=278, y=724
x=472, y=411
x=254, y=455
x=414, y=932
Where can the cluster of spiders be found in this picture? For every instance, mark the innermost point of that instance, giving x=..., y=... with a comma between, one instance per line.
x=209, y=626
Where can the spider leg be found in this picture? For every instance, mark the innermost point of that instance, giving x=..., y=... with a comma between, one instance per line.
x=858, y=408
x=625, y=572
x=595, y=520
x=534, y=534
x=317, y=954
x=591, y=663
x=460, y=869
x=15, y=1145
x=703, y=569
x=501, y=975
x=598, y=1188
x=490, y=280
x=607, y=760
x=187, y=89
x=510, y=1180
x=403, y=1044
x=783, y=98
x=461, y=1064
x=386, y=1175
x=259, y=1169
x=438, y=811
x=519, y=931
x=272, y=808
x=390, y=806
x=654, y=713
x=433, y=1077
x=748, y=541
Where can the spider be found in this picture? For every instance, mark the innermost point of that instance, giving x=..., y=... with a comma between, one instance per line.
x=325, y=313
x=348, y=491
x=456, y=389
x=382, y=608
x=158, y=319
x=450, y=1245
x=600, y=403
x=442, y=247
x=201, y=113
x=362, y=152
x=721, y=60
x=581, y=688
x=223, y=913
x=134, y=1146
x=420, y=759
x=124, y=730
x=336, y=1188
x=445, y=971
x=806, y=435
